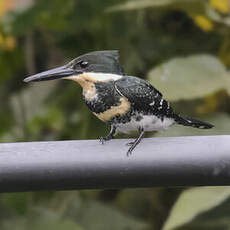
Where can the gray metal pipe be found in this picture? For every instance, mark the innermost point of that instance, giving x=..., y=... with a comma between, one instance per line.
x=86, y=164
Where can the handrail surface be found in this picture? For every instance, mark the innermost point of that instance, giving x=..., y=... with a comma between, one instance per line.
x=86, y=164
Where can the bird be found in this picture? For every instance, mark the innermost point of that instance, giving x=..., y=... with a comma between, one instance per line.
x=127, y=103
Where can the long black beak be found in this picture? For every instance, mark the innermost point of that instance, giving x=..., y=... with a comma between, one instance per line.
x=56, y=73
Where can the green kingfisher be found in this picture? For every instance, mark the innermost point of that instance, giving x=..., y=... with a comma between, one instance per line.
x=125, y=102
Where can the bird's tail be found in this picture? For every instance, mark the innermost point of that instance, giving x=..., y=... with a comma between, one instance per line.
x=187, y=121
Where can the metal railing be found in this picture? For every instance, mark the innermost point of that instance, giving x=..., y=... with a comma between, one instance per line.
x=86, y=164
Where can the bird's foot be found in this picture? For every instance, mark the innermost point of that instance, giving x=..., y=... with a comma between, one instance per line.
x=133, y=145
x=110, y=136
x=130, y=143
x=129, y=152
x=104, y=139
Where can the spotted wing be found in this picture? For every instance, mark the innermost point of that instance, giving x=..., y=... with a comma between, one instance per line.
x=143, y=96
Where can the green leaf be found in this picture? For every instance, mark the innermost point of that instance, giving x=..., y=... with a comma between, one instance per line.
x=47, y=219
x=221, y=122
x=190, y=77
x=40, y=219
x=64, y=210
x=94, y=215
x=190, y=6
x=195, y=202
x=103, y=217
x=17, y=202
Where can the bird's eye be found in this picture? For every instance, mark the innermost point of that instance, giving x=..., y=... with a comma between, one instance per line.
x=83, y=64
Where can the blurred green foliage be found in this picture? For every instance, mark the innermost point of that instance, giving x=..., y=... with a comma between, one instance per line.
x=180, y=46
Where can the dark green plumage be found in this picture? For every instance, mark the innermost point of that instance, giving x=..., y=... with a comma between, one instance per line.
x=106, y=61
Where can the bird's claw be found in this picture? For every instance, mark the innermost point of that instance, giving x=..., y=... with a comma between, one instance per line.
x=129, y=152
x=102, y=140
x=129, y=144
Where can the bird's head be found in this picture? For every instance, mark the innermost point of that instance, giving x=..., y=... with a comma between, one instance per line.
x=93, y=67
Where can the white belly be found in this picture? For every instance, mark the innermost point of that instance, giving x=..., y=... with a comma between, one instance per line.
x=148, y=123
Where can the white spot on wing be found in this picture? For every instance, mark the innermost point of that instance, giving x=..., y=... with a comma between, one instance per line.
x=152, y=104
x=161, y=102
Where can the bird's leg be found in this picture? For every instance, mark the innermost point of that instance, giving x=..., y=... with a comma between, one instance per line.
x=109, y=136
x=136, y=142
